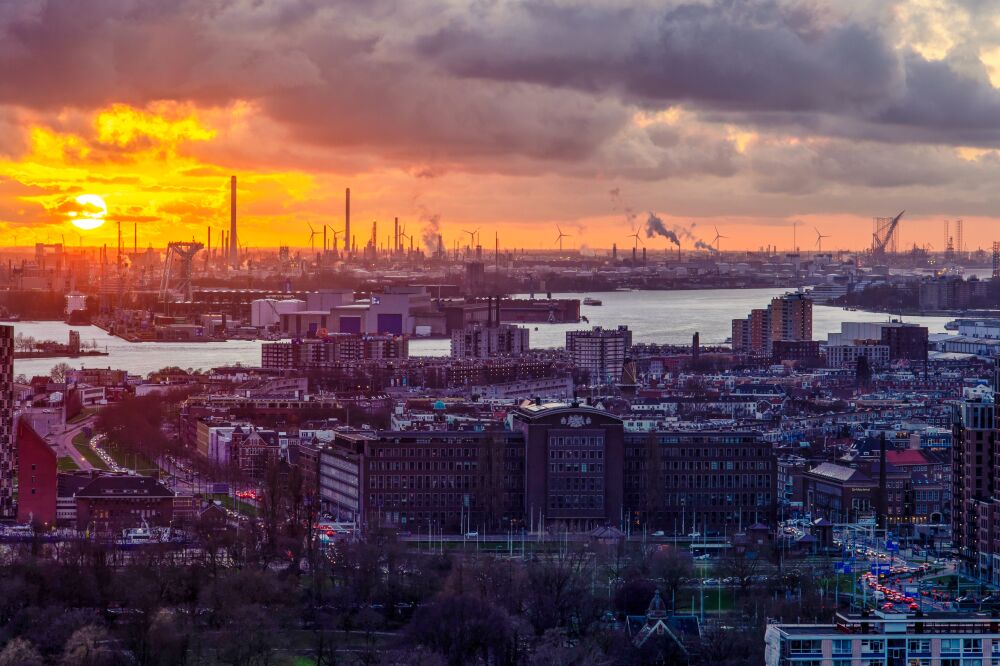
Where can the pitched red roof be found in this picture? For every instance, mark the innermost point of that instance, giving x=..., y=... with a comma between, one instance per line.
x=906, y=457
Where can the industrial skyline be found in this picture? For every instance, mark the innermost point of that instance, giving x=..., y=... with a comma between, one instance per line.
x=836, y=115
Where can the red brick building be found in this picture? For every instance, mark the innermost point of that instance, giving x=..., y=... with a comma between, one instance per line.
x=110, y=503
x=37, y=477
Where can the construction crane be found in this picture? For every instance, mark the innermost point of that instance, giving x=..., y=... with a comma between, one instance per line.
x=177, y=269
x=885, y=235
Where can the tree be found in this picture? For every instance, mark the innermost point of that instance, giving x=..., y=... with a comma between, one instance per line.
x=463, y=629
x=669, y=566
x=89, y=646
x=20, y=652
x=59, y=372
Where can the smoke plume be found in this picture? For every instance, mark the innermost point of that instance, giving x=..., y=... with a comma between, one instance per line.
x=431, y=231
x=655, y=227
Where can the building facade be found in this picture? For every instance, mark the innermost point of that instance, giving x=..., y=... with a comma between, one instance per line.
x=886, y=639
x=600, y=351
x=8, y=452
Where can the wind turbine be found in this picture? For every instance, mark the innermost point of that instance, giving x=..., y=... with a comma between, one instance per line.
x=635, y=235
x=819, y=239
x=312, y=238
x=560, y=237
x=717, y=238
x=472, y=237
x=336, y=235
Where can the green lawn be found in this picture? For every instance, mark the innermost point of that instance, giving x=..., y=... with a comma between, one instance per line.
x=82, y=444
x=67, y=464
x=83, y=415
x=712, y=594
x=236, y=505
x=136, y=461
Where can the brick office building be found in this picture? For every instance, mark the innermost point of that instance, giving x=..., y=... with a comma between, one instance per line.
x=111, y=503
x=567, y=465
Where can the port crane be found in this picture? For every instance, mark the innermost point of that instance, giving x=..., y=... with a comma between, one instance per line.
x=885, y=235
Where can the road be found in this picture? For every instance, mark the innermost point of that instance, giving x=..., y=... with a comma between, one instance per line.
x=65, y=442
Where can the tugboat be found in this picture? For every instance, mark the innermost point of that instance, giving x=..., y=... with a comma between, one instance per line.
x=592, y=301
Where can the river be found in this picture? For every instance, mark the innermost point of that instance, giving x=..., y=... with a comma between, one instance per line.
x=669, y=317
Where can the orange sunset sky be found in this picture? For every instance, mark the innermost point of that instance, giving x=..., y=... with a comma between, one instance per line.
x=508, y=117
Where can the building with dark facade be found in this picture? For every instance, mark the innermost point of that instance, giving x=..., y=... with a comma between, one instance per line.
x=975, y=467
x=37, y=477
x=114, y=502
x=707, y=482
x=8, y=454
x=549, y=464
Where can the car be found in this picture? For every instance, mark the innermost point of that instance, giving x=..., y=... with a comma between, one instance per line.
x=694, y=535
x=471, y=534
x=703, y=556
x=887, y=607
x=658, y=533
x=914, y=607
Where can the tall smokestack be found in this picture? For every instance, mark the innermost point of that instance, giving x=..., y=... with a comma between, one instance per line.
x=347, y=221
x=395, y=242
x=234, y=256
x=135, y=238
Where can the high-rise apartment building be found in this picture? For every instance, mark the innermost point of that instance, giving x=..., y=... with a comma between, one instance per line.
x=787, y=318
x=479, y=341
x=791, y=317
x=975, y=467
x=8, y=454
x=600, y=351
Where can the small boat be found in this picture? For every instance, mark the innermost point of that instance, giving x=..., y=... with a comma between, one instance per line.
x=592, y=301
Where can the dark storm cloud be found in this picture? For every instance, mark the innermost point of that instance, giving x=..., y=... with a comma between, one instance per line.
x=765, y=61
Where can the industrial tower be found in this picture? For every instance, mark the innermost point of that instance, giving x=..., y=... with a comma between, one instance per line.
x=178, y=278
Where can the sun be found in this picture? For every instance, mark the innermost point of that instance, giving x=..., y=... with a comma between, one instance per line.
x=92, y=212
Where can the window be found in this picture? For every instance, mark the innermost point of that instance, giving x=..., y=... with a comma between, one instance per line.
x=923, y=645
x=842, y=646
x=951, y=645
x=868, y=646
x=804, y=647
x=972, y=645
x=841, y=662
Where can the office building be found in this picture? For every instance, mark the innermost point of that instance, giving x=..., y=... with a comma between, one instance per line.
x=559, y=464
x=601, y=352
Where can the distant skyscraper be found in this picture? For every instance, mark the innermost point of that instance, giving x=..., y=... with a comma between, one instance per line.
x=234, y=248
x=8, y=456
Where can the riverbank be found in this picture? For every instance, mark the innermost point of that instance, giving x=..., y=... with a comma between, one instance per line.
x=58, y=354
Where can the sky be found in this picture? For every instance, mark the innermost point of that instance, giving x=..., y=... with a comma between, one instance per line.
x=759, y=118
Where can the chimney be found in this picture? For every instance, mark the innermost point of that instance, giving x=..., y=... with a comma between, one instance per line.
x=643, y=256
x=234, y=258
x=695, y=346
x=395, y=243
x=489, y=311
x=347, y=221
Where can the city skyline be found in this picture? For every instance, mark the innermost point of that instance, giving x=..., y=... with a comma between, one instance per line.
x=744, y=118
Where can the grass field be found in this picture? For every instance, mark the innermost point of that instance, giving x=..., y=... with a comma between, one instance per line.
x=81, y=442
x=66, y=464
